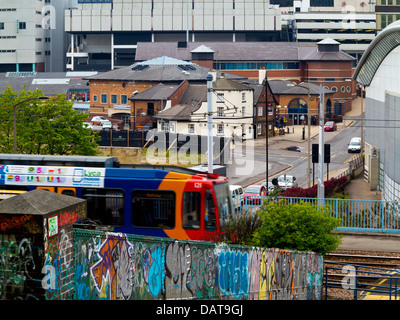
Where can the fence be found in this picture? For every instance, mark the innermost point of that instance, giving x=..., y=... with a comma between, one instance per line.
x=364, y=279
x=355, y=215
x=166, y=140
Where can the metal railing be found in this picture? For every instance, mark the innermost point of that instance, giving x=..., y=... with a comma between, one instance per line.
x=359, y=278
x=354, y=215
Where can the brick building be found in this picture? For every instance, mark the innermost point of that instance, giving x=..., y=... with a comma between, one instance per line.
x=320, y=64
x=136, y=93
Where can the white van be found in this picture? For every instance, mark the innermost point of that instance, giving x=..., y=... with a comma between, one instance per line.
x=354, y=145
x=237, y=196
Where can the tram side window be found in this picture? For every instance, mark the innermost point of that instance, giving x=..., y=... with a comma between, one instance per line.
x=105, y=205
x=209, y=217
x=153, y=209
x=191, y=210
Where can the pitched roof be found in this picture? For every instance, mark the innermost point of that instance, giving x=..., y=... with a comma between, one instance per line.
x=160, y=91
x=227, y=84
x=51, y=83
x=37, y=202
x=191, y=100
x=289, y=87
x=242, y=51
x=159, y=69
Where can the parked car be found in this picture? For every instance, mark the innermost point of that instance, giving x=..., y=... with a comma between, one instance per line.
x=237, y=196
x=270, y=188
x=101, y=121
x=354, y=145
x=87, y=125
x=286, y=181
x=254, y=192
x=330, y=126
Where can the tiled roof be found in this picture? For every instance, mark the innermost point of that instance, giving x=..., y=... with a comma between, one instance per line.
x=242, y=51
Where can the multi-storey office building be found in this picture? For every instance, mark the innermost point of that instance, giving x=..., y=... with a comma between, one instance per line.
x=104, y=33
x=350, y=22
x=32, y=35
x=387, y=11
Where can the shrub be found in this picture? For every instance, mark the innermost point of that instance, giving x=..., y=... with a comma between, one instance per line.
x=240, y=227
x=296, y=226
x=331, y=186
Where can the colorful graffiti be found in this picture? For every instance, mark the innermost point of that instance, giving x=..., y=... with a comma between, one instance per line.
x=121, y=267
x=82, y=264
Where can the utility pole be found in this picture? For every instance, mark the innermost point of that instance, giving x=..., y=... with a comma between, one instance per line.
x=321, y=187
x=209, y=79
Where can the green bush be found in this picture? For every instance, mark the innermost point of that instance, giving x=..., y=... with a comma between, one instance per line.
x=296, y=226
x=240, y=228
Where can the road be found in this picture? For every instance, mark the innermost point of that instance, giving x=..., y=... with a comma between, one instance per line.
x=248, y=164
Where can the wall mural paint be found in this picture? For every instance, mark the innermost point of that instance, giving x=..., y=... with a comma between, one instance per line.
x=115, y=266
x=81, y=264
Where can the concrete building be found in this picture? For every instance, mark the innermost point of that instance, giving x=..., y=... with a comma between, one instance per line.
x=32, y=37
x=104, y=34
x=350, y=22
x=387, y=11
x=378, y=74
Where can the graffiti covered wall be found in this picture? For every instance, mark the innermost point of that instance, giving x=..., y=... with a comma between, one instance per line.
x=116, y=266
x=36, y=255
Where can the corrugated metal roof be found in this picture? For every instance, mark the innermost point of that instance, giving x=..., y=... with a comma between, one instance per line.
x=376, y=52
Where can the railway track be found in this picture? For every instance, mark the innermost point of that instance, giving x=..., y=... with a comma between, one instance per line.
x=372, y=271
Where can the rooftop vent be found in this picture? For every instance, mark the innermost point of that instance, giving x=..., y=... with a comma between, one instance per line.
x=140, y=67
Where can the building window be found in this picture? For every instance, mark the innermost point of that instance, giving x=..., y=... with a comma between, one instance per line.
x=124, y=99
x=103, y=98
x=259, y=129
x=243, y=111
x=220, y=97
x=220, y=129
x=243, y=96
x=191, y=128
x=22, y=25
x=113, y=98
x=260, y=111
x=95, y=98
x=1, y=25
x=220, y=112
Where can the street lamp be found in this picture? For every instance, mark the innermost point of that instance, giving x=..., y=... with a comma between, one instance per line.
x=15, y=118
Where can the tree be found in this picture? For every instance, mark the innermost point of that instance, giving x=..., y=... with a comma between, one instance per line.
x=50, y=127
x=296, y=226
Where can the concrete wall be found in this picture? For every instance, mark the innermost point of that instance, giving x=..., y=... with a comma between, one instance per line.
x=119, y=266
x=125, y=155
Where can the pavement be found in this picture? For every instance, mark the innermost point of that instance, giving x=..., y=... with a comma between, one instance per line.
x=357, y=188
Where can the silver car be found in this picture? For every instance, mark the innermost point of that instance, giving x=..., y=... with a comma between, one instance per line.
x=286, y=181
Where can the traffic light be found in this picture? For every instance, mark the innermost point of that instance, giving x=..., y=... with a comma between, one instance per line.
x=315, y=153
x=327, y=153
